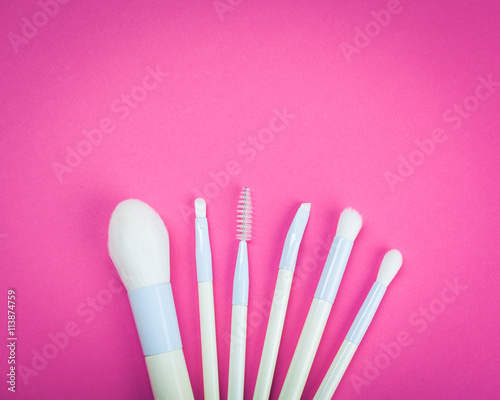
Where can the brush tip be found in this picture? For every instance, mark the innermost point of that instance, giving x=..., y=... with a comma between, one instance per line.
x=200, y=207
x=244, y=221
x=138, y=245
x=389, y=267
x=306, y=207
x=349, y=225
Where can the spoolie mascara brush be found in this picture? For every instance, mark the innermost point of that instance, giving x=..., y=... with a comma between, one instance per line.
x=237, y=349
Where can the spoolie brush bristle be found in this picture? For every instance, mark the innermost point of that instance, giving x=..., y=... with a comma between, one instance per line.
x=244, y=221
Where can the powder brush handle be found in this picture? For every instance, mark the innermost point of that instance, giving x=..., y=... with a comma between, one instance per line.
x=169, y=376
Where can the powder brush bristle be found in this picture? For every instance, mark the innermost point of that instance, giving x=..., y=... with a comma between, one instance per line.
x=138, y=245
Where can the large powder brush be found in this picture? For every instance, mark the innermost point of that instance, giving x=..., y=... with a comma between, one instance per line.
x=138, y=245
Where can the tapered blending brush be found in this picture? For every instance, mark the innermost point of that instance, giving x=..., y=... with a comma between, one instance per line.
x=206, y=303
x=236, y=380
x=280, y=303
x=347, y=229
x=388, y=269
x=138, y=246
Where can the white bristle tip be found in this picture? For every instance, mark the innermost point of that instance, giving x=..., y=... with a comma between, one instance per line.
x=389, y=267
x=200, y=208
x=138, y=245
x=306, y=207
x=349, y=225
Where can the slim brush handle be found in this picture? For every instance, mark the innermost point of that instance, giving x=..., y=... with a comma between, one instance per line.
x=206, y=305
x=273, y=335
x=237, y=352
x=388, y=269
x=208, y=340
x=169, y=376
x=336, y=371
x=351, y=342
x=306, y=350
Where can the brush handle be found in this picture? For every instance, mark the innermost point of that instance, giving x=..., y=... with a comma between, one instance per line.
x=208, y=340
x=156, y=321
x=351, y=342
x=336, y=371
x=280, y=302
x=239, y=325
x=316, y=319
x=237, y=352
x=169, y=376
x=273, y=335
x=203, y=251
x=366, y=313
x=306, y=350
x=334, y=269
x=241, y=278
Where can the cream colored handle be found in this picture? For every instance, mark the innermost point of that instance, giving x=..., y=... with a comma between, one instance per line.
x=336, y=371
x=273, y=335
x=237, y=352
x=306, y=350
x=208, y=341
x=169, y=376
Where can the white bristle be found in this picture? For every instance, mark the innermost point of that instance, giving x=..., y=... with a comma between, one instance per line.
x=389, y=267
x=138, y=245
x=349, y=225
x=200, y=207
x=244, y=226
x=306, y=207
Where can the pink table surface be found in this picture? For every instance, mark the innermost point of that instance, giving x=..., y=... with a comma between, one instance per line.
x=388, y=107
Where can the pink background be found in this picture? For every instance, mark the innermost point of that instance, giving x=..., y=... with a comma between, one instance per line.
x=356, y=116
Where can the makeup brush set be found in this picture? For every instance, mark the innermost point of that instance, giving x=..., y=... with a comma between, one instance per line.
x=138, y=245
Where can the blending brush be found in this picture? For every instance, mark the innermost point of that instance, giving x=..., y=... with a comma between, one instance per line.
x=280, y=303
x=388, y=269
x=347, y=229
x=206, y=302
x=237, y=349
x=138, y=245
